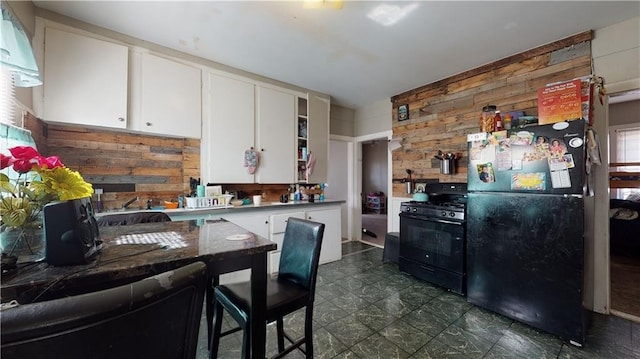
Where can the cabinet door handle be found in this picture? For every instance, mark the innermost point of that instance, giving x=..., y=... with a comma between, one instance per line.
x=148, y=123
x=121, y=119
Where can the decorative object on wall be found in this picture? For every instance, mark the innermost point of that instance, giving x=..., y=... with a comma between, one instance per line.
x=251, y=158
x=403, y=112
x=395, y=143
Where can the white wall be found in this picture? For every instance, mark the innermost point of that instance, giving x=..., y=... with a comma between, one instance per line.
x=341, y=121
x=373, y=118
x=616, y=55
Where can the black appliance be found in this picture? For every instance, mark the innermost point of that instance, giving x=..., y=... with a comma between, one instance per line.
x=71, y=232
x=526, y=226
x=432, y=236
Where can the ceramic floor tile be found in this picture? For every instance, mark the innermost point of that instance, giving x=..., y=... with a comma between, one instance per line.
x=368, y=309
x=378, y=347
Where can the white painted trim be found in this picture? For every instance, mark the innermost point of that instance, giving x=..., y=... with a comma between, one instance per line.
x=351, y=197
x=357, y=180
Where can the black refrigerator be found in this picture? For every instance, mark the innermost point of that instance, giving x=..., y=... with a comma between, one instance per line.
x=525, y=226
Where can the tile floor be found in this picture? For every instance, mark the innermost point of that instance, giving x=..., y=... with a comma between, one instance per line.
x=367, y=309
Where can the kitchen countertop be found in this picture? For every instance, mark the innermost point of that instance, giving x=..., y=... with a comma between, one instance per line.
x=205, y=212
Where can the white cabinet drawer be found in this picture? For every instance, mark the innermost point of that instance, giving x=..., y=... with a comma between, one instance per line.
x=279, y=222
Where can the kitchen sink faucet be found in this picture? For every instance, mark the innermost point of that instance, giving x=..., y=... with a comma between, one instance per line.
x=127, y=203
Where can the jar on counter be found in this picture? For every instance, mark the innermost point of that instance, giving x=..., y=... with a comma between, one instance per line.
x=488, y=118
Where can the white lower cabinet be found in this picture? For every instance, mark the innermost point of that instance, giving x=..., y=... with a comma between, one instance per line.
x=272, y=225
x=253, y=222
x=332, y=240
x=278, y=226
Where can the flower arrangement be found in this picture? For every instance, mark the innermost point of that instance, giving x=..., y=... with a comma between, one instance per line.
x=40, y=180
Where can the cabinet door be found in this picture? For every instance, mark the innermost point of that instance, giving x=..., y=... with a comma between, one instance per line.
x=332, y=240
x=229, y=130
x=85, y=80
x=256, y=223
x=275, y=136
x=166, y=97
x=318, y=137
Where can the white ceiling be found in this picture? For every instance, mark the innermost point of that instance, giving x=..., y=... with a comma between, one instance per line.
x=342, y=52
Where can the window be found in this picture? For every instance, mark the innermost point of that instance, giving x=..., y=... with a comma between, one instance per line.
x=7, y=104
x=625, y=148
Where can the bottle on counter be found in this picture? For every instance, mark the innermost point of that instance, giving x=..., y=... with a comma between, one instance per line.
x=498, y=121
x=507, y=121
x=298, y=195
x=292, y=193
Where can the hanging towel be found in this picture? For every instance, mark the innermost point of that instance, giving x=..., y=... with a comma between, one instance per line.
x=251, y=159
x=311, y=161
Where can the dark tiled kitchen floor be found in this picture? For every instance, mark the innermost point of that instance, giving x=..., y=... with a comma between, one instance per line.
x=367, y=309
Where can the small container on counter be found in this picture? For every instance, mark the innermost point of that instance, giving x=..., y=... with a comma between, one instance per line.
x=488, y=118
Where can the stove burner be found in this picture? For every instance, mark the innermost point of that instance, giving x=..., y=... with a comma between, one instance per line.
x=448, y=204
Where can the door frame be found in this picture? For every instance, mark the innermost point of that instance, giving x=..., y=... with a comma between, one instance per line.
x=350, y=189
x=356, y=213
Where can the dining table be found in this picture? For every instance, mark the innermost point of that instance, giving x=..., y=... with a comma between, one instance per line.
x=133, y=252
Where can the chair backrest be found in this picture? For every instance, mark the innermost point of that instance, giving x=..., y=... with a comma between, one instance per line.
x=300, y=252
x=156, y=317
x=119, y=219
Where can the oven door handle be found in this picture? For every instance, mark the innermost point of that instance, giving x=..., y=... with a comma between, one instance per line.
x=437, y=220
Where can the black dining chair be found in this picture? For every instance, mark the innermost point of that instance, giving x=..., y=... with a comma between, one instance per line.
x=120, y=219
x=293, y=289
x=156, y=317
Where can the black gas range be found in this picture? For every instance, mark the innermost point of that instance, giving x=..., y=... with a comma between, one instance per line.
x=433, y=236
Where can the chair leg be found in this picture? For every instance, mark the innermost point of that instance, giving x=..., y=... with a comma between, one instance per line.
x=308, y=331
x=280, y=329
x=217, y=329
x=209, y=299
x=246, y=344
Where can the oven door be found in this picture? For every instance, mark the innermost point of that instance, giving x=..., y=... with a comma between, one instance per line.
x=433, y=241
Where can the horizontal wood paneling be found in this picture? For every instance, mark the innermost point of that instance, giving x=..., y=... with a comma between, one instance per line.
x=443, y=113
x=156, y=168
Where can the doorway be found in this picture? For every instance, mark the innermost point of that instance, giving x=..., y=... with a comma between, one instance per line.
x=375, y=184
x=624, y=260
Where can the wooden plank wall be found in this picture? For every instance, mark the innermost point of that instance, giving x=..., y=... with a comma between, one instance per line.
x=443, y=113
x=132, y=165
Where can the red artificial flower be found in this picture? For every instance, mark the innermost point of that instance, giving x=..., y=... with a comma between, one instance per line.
x=5, y=161
x=50, y=162
x=24, y=153
x=24, y=158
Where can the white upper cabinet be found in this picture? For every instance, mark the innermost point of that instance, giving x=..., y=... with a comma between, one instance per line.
x=228, y=129
x=275, y=139
x=166, y=97
x=318, y=122
x=85, y=80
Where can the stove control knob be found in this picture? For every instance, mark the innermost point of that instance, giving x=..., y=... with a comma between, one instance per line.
x=452, y=214
x=414, y=210
x=444, y=214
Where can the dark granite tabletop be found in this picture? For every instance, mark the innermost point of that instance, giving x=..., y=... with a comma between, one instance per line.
x=132, y=252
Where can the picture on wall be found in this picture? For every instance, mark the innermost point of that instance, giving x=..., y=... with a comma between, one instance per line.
x=403, y=112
